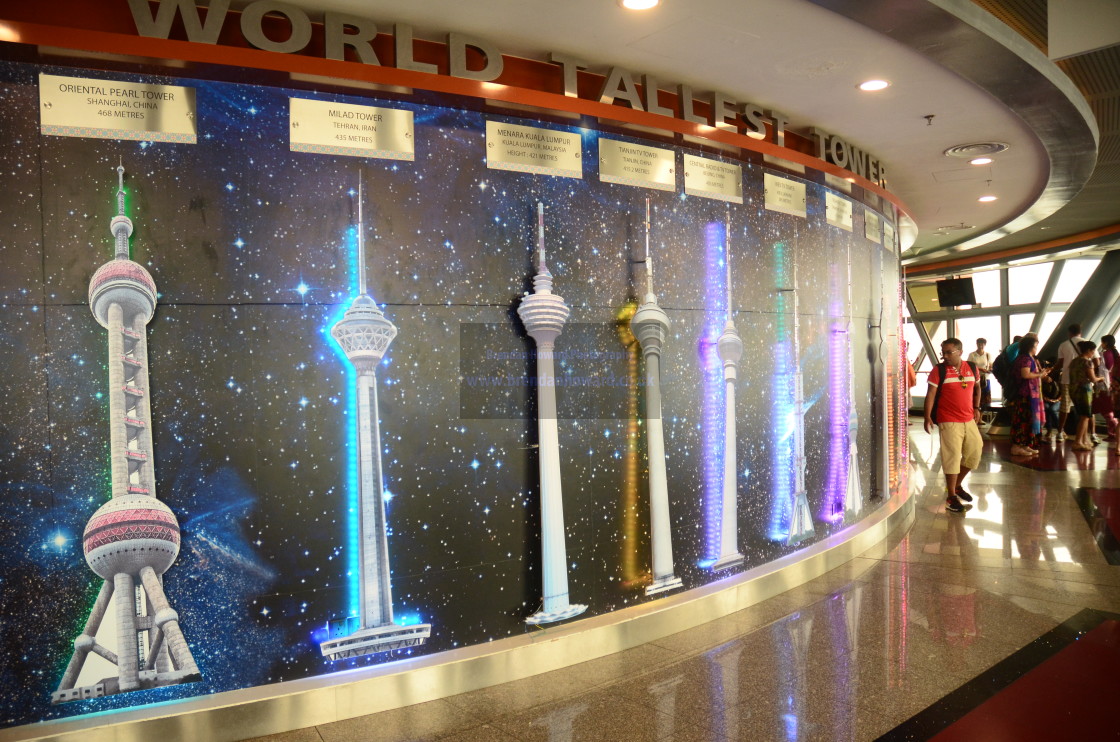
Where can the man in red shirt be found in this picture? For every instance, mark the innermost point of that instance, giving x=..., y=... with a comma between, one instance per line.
x=957, y=398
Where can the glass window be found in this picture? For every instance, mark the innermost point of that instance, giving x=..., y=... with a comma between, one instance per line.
x=1049, y=323
x=1020, y=324
x=970, y=328
x=1026, y=282
x=1074, y=275
x=985, y=285
x=924, y=297
x=913, y=342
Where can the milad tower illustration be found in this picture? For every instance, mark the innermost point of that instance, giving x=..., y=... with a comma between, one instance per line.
x=133, y=538
x=364, y=334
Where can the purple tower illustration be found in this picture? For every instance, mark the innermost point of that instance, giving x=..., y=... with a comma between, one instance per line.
x=364, y=333
x=133, y=538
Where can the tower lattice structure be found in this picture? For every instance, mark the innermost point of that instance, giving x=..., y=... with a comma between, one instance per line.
x=364, y=333
x=133, y=538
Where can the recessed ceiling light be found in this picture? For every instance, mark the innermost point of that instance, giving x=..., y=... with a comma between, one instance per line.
x=981, y=161
x=986, y=199
x=639, y=4
x=872, y=85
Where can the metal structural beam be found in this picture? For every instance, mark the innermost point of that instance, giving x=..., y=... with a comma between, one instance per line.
x=1093, y=306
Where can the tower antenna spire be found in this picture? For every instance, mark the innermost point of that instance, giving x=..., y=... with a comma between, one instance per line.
x=649, y=257
x=361, y=242
x=542, y=265
x=727, y=258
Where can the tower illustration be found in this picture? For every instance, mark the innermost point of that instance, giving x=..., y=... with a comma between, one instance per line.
x=729, y=347
x=853, y=491
x=544, y=313
x=801, y=524
x=650, y=325
x=364, y=334
x=791, y=521
x=132, y=539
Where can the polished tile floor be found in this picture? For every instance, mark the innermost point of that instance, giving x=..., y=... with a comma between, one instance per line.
x=851, y=655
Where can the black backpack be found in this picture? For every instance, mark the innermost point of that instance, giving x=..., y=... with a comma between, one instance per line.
x=941, y=368
x=1002, y=370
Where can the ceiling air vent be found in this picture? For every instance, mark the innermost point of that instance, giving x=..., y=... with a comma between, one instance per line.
x=976, y=149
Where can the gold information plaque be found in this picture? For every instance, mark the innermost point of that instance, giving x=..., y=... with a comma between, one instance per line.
x=840, y=184
x=327, y=128
x=871, y=225
x=530, y=149
x=783, y=195
x=637, y=165
x=107, y=109
x=838, y=211
x=713, y=179
x=888, y=236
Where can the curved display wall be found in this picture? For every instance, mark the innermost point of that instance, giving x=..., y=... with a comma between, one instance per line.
x=307, y=444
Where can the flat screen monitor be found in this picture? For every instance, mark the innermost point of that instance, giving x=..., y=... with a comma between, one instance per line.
x=955, y=292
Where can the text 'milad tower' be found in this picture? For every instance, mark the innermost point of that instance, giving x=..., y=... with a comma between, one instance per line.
x=133, y=538
x=364, y=333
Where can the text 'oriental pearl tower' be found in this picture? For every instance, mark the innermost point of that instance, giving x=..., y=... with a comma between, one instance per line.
x=133, y=538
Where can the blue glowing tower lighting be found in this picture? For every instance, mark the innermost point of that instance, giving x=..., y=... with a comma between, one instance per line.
x=713, y=406
x=729, y=347
x=364, y=334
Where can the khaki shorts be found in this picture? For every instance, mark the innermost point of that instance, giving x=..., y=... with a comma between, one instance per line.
x=960, y=444
x=1067, y=401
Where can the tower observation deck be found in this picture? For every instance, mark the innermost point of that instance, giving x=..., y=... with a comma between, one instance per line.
x=133, y=538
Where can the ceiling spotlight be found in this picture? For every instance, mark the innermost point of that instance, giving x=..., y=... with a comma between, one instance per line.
x=639, y=4
x=981, y=161
x=986, y=199
x=872, y=85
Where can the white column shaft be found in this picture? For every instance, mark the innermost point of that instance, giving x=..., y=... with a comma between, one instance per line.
x=148, y=469
x=93, y=623
x=660, y=524
x=173, y=635
x=128, y=658
x=554, y=557
x=118, y=435
x=376, y=591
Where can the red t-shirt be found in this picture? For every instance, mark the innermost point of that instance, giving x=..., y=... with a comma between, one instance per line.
x=955, y=403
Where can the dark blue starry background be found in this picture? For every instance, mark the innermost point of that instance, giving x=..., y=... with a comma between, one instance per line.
x=251, y=247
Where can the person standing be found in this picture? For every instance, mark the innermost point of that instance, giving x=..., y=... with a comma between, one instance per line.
x=1110, y=360
x=1067, y=352
x=1026, y=407
x=953, y=405
x=1051, y=400
x=983, y=362
x=1082, y=376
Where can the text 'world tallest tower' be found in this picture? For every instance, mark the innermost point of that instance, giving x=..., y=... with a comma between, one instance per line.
x=364, y=333
x=133, y=538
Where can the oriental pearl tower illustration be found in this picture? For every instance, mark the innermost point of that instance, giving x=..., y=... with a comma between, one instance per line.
x=650, y=325
x=544, y=313
x=133, y=538
x=364, y=333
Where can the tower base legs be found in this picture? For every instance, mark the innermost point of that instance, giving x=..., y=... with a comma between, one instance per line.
x=663, y=584
x=376, y=639
x=572, y=609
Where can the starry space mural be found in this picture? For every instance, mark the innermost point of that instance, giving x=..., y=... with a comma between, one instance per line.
x=252, y=248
